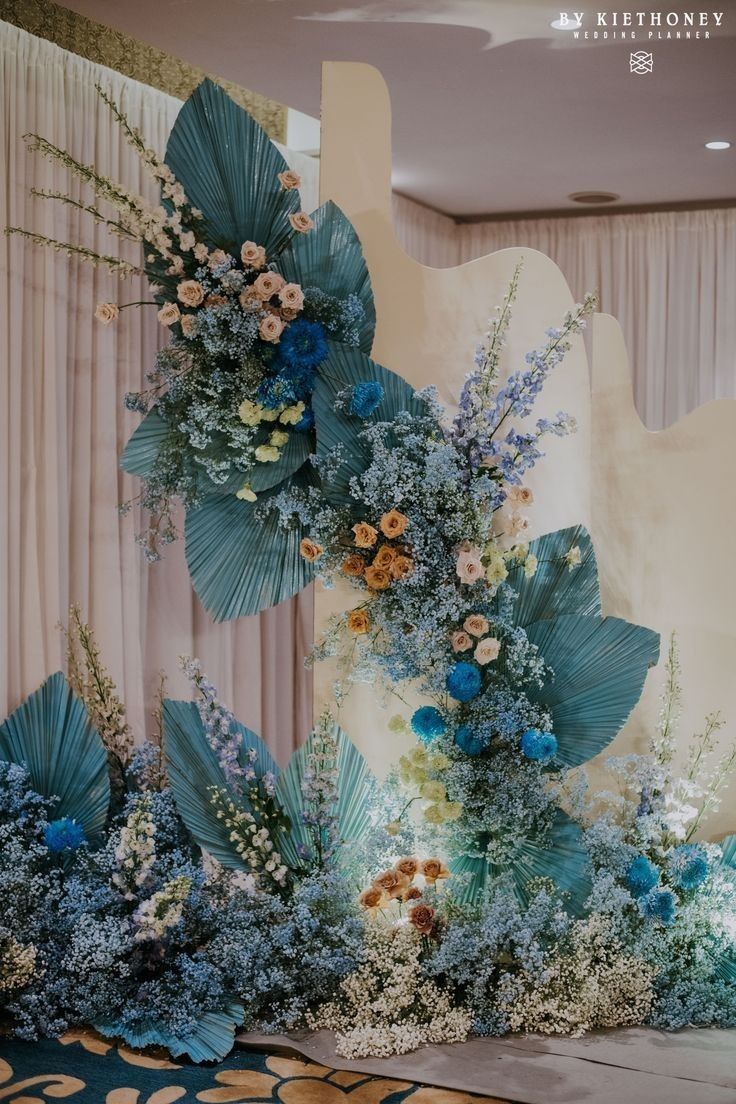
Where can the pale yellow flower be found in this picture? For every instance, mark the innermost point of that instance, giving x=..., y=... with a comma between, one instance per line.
x=267, y=454
x=292, y=414
x=168, y=314
x=278, y=438
x=246, y=493
x=530, y=565
x=250, y=413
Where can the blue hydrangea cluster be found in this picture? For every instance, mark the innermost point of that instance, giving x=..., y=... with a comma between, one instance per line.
x=428, y=723
x=366, y=398
x=63, y=835
x=540, y=746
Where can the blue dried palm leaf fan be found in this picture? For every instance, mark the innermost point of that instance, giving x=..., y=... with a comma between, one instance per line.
x=211, y=1040
x=194, y=772
x=51, y=735
x=725, y=964
x=559, y=856
x=556, y=588
x=355, y=784
x=599, y=666
x=345, y=369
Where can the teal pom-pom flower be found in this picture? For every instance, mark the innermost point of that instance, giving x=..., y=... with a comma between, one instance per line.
x=463, y=682
x=687, y=866
x=63, y=835
x=642, y=876
x=468, y=741
x=428, y=723
x=539, y=746
x=659, y=904
x=366, y=398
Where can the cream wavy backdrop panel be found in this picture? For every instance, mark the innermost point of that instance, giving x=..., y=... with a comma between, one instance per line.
x=429, y=322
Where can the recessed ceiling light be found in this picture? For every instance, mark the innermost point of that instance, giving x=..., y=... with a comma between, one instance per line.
x=571, y=25
x=593, y=198
x=717, y=145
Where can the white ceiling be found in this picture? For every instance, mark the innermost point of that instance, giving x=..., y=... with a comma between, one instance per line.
x=493, y=110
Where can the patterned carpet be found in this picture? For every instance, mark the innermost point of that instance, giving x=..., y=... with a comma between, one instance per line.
x=86, y=1069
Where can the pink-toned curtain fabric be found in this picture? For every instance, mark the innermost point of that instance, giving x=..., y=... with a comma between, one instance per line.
x=62, y=425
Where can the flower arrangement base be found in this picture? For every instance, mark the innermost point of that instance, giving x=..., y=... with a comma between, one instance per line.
x=636, y=1064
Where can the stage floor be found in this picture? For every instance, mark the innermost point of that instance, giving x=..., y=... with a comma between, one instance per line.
x=623, y=1066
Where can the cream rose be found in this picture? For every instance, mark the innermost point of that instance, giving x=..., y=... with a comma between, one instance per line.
x=460, y=641
x=476, y=624
x=486, y=650
x=169, y=314
x=107, y=313
x=301, y=222
x=271, y=328
x=518, y=524
x=468, y=567
x=291, y=296
x=519, y=496
x=190, y=293
x=289, y=180
x=252, y=255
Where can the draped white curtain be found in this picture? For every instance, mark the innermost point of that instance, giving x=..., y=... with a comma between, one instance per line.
x=668, y=277
x=62, y=425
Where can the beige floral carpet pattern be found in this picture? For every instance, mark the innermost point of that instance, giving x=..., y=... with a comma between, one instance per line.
x=84, y=1068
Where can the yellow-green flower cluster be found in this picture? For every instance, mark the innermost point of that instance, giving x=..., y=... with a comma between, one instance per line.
x=418, y=769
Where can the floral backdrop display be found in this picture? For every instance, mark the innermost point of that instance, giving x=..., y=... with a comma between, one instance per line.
x=170, y=891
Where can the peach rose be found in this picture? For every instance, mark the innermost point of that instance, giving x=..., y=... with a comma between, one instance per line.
x=301, y=222
x=189, y=325
x=402, y=567
x=433, y=870
x=268, y=284
x=413, y=893
x=169, y=314
x=519, y=496
x=216, y=258
x=107, y=313
x=290, y=180
x=354, y=565
x=486, y=650
x=358, y=622
x=460, y=641
x=384, y=557
x=215, y=301
x=250, y=300
x=476, y=624
x=392, y=882
x=518, y=525
x=377, y=578
x=190, y=293
x=421, y=917
x=291, y=296
x=469, y=568
x=271, y=328
x=252, y=255
x=309, y=550
x=365, y=535
x=393, y=524
x=201, y=252
x=408, y=865
x=372, y=898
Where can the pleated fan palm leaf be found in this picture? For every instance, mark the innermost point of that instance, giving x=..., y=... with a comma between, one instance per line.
x=560, y=857
x=229, y=168
x=51, y=735
x=142, y=448
x=344, y=368
x=354, y=783
x=194, y=771
x=556, y=588
x=211, y=1040
x=599, y=666
x=330, y=257
x=238, y=565
x=725, y=965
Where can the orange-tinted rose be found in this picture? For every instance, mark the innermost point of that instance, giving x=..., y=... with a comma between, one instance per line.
x=365, y=535
x=402, y=567
x=408, y=865
x=384, y=557
x=358, y=621
x=309, y=550
x=354, y=565
x=372, y=898
x=422, y=918
x=413, y=893
x=391, y=882
x=394, y=523
x=377, y=578
x=433, y=869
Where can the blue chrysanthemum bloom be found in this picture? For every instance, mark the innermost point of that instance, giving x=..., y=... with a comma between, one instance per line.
x=276, y=391
x=463, y=682
x=428, y=723
x=366, y=398
x=467, y=740
x=300, y=377
x=303, y=344
x=538, y=745
x=641, y=876
x=687, y=866
x=63, y=835
x=659, y=904
x=306, y=422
